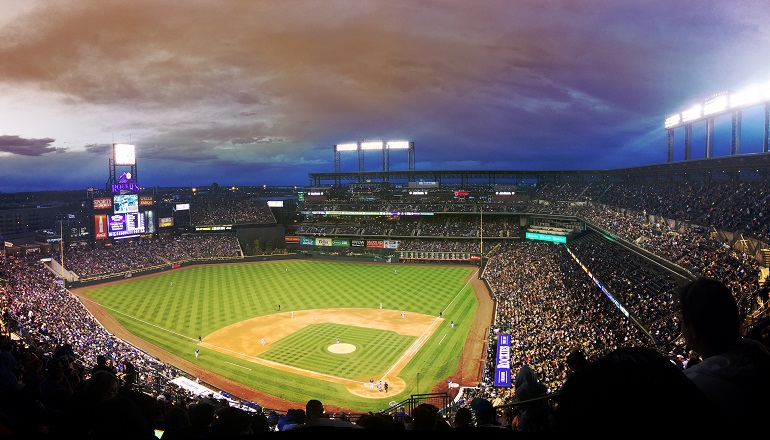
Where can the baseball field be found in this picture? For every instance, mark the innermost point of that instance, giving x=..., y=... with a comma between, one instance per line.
x=279, y=333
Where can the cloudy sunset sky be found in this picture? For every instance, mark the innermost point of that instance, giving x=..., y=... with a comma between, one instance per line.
x=258, y=92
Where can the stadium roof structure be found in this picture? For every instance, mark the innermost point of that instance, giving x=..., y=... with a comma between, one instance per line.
x=739, y=166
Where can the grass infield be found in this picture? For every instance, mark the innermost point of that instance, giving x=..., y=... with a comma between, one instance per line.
x=171, y=309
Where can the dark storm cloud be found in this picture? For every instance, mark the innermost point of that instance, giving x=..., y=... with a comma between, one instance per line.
x=27, y=147
x=233, y=87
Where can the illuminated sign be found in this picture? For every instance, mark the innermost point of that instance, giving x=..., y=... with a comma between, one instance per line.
x=100, y=226
x=124, y=203
x=546, y=237
x=149, y=222
x=503, y=361
x=146, y=201
x=165, y=222
x=102, y=203
x=215, y=228
x=386, y=213
x=275, y=203
x=125, y=183
x=125, y=225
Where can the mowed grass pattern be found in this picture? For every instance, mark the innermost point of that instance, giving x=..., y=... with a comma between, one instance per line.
x=308, y=349
x=206, y=298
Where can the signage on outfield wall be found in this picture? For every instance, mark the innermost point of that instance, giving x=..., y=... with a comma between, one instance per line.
x=146, y=201
x=291, y=239
x=310, y=241
x=375, y=243
x=358, y=243
x=503, y=361
x=390, y=244
x=322, y=241
x=340, y=242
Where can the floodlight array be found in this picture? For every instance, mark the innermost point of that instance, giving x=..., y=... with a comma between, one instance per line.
x=722, y=102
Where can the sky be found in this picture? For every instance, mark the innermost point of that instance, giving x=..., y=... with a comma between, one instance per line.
x=248, y=93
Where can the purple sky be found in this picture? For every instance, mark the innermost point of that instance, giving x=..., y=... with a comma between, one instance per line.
x=258, y=92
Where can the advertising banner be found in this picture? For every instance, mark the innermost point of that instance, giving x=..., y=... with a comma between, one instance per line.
x=358, y=243
x=100, y=225
x=390, y=244
x=323, y=241
x=149, y=220
x=340, y=242
x=291, y=239
x=103, y=203
x=310, y=241
x=503, y=361
x=146, y=201
x=375, y=243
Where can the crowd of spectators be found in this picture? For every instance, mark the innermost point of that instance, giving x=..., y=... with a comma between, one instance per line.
x=213, y=211
x=446, y=226
x=58, y=346
x=132, y=255
x=544, y=298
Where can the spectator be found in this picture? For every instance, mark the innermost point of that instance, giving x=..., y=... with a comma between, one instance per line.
x=734, y=373
x=89, y=405
x=463, y=419
x=535, y=411
x=101, y=364
x=293, y=418
x=231, y=422
x=426, y=417
x=632, y=390
x=201, y=417
x=315, y=416
x=177, y=419
x=486, y=415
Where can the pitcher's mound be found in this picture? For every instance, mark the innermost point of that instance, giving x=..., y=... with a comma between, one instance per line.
x=341, y=348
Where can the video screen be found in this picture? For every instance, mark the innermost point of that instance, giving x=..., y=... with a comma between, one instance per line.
x=126, y=225
x=125, y=203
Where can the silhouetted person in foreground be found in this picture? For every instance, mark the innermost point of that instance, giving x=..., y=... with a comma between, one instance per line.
x=633, y=390
x=231, y=422
x=734, y=372
x=315, y=418
x=486, y=415
x=463, y=419
x=427, y=418
x=535, y=414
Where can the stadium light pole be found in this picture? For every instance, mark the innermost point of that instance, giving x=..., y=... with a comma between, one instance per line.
x=61, y=251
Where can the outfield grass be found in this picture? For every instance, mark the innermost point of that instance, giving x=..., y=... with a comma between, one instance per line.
x=206, y=298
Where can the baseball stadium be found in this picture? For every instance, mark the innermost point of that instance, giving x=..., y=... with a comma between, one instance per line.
x=376, y=292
